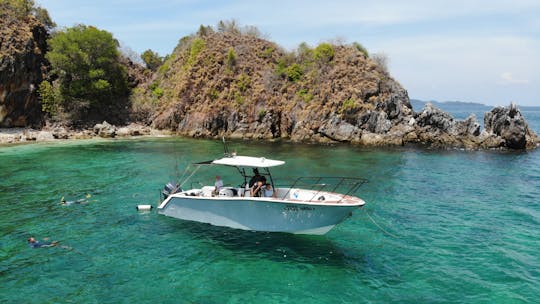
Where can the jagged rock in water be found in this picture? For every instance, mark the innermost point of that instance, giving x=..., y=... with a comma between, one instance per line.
x=436, y=120
x=22, y=63
x=510, y=125
x=469, y=126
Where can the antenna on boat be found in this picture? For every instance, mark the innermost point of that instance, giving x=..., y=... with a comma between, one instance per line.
x=225, y=147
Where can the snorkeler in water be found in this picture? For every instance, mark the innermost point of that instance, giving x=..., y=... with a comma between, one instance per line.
x=33, y=243
x=81, y=201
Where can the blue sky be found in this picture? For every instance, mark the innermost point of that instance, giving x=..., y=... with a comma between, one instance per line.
x=475, y=51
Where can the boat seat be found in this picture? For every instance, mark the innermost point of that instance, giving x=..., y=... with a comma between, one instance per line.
x=207, y=191
x=228, y=191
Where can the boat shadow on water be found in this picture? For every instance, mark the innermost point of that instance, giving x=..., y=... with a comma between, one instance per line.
x=276, y=246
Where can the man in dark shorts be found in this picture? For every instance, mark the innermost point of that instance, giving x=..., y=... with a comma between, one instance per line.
x=33, y=243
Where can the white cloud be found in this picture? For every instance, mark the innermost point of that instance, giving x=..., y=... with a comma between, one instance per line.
x=508, y=78
x=466, y=68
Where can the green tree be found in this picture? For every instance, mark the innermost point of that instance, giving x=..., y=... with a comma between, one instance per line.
x=294, y=72
x=152, y=59
x=43, y=15
x=324, y=52
x=91, y=82
x=231, y=57
x=49, y=102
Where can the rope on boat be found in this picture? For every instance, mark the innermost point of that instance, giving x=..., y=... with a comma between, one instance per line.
x=196, y=169
x=378, y=226
x=184, y=174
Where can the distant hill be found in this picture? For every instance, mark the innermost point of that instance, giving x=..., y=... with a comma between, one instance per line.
x=460, y=106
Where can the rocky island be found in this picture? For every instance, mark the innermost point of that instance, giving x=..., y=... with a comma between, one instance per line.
x=228, y=81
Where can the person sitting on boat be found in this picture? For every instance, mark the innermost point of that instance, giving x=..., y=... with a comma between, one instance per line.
x=256, y=183
x=218, y=185
x=257, y=189
x=33, y=243
x=268, y=191
x=256, y=177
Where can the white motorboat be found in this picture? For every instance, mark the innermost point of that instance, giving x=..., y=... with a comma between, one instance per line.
x=309, y=205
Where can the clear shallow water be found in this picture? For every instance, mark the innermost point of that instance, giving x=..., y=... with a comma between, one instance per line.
x=461, y=227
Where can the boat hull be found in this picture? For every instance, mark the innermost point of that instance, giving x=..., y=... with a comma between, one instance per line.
x=257, y=214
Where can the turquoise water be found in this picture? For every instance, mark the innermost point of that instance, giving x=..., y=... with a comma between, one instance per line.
x=458, y=227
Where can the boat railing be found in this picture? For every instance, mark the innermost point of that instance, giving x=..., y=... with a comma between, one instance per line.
x=340, y=186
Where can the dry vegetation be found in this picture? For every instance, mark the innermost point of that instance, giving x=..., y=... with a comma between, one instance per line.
x=231, y=82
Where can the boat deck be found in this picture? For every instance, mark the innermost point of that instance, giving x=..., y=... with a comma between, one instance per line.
x=287, y=195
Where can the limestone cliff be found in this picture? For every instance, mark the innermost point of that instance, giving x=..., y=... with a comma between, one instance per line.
x=205, y=93
x=240, y=86
x=22, y=64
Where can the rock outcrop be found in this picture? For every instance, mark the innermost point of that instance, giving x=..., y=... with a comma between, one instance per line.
x=207, y=95
x=201, y=92
x=22, y=64
x=510, y=125
x=105, y=130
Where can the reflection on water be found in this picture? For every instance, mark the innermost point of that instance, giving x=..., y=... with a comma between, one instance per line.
x=280, y=247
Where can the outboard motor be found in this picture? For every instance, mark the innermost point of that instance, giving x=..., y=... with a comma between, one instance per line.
x=170, y=188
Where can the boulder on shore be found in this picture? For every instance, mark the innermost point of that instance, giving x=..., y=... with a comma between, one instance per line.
x=105, y=130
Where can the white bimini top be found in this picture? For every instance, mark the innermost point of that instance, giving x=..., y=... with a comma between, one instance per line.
x=248, y=161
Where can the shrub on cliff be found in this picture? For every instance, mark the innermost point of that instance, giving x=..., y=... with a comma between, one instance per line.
x=152, y=59
x=324, y=52
x=231, y=57
x=294, y=72
x=91, y=84
x=361, y=48
x=23, y=8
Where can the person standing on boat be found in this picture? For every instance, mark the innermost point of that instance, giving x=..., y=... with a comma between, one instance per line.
x=218, y=185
